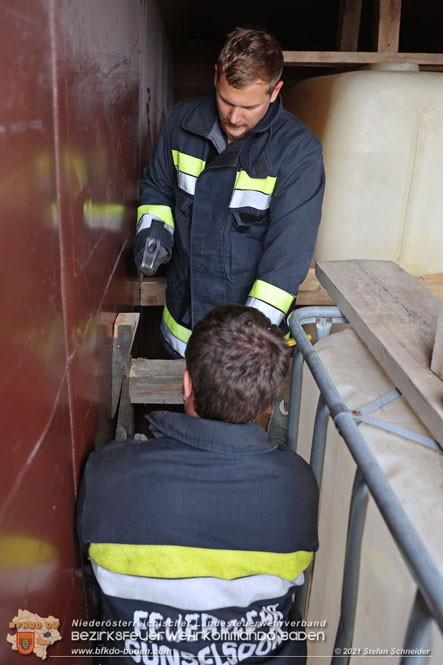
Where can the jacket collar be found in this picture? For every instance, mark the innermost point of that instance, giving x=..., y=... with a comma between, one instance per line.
x=211, y=435
x=200, y=119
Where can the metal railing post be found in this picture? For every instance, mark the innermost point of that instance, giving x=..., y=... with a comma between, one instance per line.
x=318, y=447
x=317, y=458
x=294, y=400
x=351, y=574
x=323, y=317
x=418, y=633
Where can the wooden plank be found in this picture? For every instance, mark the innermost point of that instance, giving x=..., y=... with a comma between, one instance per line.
x=156, y=381
x=358, y=57
x=131, y=292
x=389, y=25
x=437, y=353
x=125, y=418
x=125, y=327
x=152, y=291
x=310, y=292
x=434, y=283
x=397, y=319
x=349, y=25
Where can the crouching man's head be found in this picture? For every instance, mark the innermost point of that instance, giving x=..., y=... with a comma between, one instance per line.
x=236, y=362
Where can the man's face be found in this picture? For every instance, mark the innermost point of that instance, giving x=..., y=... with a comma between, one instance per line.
x=241, y=109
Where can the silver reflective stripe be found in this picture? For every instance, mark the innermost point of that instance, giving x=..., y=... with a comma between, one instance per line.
x=274, y=315
x=196, y=593
x=186, y=182
x=177, y=344
x=248, y=198
x=145, y=223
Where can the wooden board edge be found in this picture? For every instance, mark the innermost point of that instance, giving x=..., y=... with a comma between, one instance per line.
x=416, y=400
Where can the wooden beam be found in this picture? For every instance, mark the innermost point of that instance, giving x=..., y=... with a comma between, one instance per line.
x=437, y=353
x=358, y=58
x=434, y=283
x=389, y=25
x=152, y=291
x=125, y=418
x=311, y=292
x=397, y=319
x=125, y=327
x=348, y=25
x=156, y=381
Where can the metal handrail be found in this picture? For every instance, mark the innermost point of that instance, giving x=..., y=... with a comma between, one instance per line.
x=420, y=563
x=323, y=317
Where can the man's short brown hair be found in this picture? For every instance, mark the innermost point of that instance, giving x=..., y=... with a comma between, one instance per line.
x=237, y=361
x=249, y=55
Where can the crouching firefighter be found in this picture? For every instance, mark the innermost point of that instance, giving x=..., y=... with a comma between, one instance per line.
x=198, y=540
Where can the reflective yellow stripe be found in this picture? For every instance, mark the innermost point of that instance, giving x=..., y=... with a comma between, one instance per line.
x=172, y=561
x=291, y=341
x=264, y=185
x=179, y=331
x=162, y=212
x=272, y=295
x=188, y=163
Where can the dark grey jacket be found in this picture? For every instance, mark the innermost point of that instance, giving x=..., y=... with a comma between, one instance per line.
x=206, y=532
x=243, y=217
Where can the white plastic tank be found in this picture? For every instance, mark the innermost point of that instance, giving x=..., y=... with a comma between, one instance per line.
x=382, y=135
x=386, y=589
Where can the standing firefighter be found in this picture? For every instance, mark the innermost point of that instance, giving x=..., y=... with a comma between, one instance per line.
x=233, y=191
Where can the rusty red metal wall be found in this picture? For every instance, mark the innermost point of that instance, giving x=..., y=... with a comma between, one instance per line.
x=83, y=88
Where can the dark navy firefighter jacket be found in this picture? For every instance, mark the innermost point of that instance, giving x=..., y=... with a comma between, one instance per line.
x=241, y=219
x=198, y=541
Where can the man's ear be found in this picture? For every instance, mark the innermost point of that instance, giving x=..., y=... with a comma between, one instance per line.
x=215, y=74
x=188, y=390
x=276, y=90
x=188, y=395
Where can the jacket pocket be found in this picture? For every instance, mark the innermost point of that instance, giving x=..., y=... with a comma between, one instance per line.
x=253, y=224
x=246, y=244
x=183, y=217
x=180, y=252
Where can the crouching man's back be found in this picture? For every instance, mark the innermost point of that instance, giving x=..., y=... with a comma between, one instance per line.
x=199, y=539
